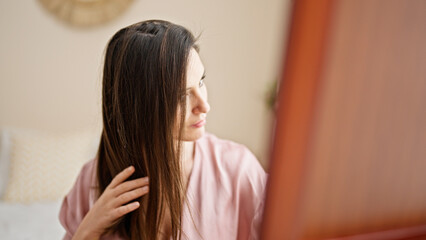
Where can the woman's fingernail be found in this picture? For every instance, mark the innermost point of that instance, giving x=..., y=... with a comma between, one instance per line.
x=135, y=204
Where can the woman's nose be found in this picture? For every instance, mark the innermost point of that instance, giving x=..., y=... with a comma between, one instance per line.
x=202, y=105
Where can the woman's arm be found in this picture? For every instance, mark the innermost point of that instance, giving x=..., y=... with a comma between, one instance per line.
x=115, y=202
x=112, y=204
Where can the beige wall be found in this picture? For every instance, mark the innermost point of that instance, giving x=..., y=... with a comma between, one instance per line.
x=50, y=73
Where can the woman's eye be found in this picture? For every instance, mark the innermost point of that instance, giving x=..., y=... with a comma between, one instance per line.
x=201, y=84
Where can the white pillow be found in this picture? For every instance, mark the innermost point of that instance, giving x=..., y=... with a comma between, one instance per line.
x=4, y=160
x=43, y=166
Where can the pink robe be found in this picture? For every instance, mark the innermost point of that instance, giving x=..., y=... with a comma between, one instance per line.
x=225, y=193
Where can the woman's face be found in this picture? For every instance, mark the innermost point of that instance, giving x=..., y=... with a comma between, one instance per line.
x=196, y=99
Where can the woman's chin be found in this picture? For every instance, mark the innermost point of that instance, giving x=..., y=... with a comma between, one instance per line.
x=193, y=134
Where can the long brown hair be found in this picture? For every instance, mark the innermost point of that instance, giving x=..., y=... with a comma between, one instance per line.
x=144, y=80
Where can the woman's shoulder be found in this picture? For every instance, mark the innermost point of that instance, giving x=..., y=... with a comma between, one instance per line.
x=86, y=179
x=88, y=170
x=233, y=158
x=78, y=201
x=213, y=142
x=239, y=176
x=85, y=182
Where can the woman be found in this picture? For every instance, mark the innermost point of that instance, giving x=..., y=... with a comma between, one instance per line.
x=154, y=112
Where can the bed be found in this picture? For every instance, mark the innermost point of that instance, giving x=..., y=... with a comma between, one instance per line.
x=37, y=169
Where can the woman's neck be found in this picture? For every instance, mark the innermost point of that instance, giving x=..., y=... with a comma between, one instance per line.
x=188, y=150
x=187, y=160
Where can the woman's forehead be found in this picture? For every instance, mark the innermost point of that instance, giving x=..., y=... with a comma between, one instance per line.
x=195, y=69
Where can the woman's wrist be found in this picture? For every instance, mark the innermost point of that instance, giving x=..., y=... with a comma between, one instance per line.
x=85, y=234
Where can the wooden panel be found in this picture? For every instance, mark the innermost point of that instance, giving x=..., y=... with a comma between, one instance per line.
x=349, y=156
x=368, y=160
x=408, y=233
x=296, y=106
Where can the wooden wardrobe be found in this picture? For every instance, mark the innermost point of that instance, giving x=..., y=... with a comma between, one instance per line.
x=348, y=157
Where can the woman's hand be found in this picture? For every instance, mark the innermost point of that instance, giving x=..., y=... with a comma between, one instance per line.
x=112, y=204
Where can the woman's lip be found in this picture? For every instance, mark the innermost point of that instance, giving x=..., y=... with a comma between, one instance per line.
x=199, y=124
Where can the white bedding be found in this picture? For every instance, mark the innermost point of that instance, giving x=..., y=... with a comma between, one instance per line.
x=30, y=221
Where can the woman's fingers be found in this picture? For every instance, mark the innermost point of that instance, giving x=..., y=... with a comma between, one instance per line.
x=123, y=175
x=130, y=185
x=131, y=195
x=123, y=210
x=117, y=200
